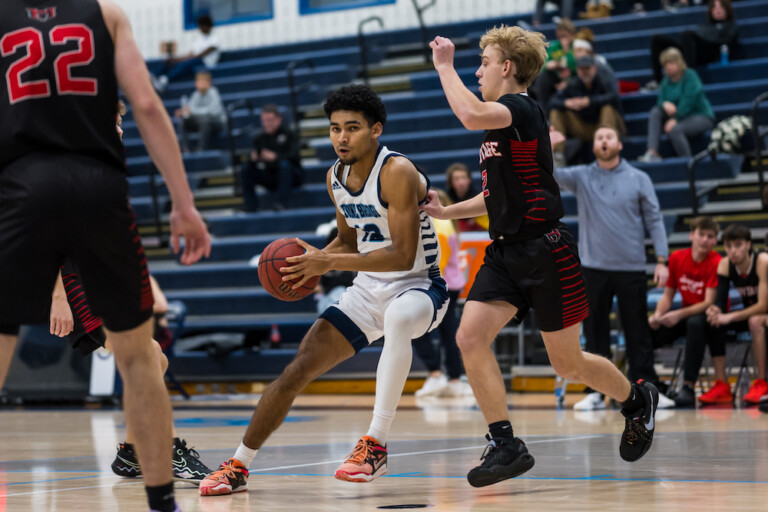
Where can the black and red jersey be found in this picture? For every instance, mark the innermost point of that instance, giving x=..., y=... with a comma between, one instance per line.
x=747, y=285
x=521, y=194
x=59, y=92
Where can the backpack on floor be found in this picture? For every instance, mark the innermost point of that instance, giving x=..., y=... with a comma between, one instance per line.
x=732, y=135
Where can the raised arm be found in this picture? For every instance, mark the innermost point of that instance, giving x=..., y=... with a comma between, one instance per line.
x=473, y=113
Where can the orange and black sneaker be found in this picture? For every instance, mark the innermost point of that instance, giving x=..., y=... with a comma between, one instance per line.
x=232, y=476
x=367, y=461
x=719, y=394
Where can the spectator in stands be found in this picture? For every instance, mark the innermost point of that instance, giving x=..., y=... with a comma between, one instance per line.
x=747, y=270
x=597, y=9
x=616, y=203
x=566, y=10
x=204, y=113
x=700, y=46
x=450, y=268
x=459, y=186
x=585, y=104
x=205, y=53
x=584, y=45
x=682, y=108
x=692, y=272
x=275, y=162
x=559, y=66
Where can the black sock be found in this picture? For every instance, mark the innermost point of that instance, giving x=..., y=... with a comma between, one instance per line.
x=635, y=402
x=128, y=447
x=161, y=498
x=501, y=430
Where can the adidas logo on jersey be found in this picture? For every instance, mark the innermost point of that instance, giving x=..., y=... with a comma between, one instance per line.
x=335, y=186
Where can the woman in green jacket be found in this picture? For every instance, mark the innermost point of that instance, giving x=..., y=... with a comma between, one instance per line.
x=682, y=109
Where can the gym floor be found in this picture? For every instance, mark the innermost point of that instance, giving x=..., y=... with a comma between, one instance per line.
x=709, y=459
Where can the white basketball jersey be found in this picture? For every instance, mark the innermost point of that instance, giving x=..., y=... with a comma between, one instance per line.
x=367, y=213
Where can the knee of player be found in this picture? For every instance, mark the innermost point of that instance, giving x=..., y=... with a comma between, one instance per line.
x=756, y=323
x=162, y=359
x=469, y=341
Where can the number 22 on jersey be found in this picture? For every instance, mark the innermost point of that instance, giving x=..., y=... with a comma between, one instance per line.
x=32, y=40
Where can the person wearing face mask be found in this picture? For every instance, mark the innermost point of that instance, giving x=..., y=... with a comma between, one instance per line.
x=616, y=203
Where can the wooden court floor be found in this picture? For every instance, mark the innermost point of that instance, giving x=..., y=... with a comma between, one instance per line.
x=703, y=460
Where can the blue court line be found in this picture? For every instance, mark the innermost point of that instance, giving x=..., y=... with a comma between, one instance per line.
x=45, y=481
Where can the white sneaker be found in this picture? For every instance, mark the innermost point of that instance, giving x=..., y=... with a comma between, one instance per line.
x=433, y=386
x=456, y=389
x=649, y=157
x=592, y=402
x=665, y=402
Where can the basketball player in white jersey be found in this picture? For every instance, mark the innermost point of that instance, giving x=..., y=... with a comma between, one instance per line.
x=398, y=292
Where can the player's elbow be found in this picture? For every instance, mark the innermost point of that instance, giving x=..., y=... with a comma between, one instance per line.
x=403, y=260
x=147, y=107
x=470, y=119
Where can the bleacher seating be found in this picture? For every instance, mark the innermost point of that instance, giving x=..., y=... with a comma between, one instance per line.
x=224, y=293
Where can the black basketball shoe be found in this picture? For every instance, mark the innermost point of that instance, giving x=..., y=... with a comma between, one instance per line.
x=126, y=463
x=186, y=463
x=502, y=459
x=639, y=426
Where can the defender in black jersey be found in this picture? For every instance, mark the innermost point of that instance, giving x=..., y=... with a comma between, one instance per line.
x=533, y=261
x=746, y=270
x=63, y=192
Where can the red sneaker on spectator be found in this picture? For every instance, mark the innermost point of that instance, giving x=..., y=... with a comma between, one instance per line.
x=719, y=394
x=756, y=392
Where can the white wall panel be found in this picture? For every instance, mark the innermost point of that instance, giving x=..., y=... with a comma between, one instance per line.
x=160, y=20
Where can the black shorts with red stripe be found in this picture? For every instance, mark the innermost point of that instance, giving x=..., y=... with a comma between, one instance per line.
x=87, y=334
x=56, y=207
x=543, y=274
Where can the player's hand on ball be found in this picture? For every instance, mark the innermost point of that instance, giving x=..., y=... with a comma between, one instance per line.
x=442, y=52
x=313, y=262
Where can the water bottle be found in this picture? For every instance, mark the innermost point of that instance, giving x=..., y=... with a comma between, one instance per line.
x=724, y=55
x=274, y=336
x=184, y=105
x=559, y=392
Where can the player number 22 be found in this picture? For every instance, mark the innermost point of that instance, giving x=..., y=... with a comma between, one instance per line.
x=32, y=39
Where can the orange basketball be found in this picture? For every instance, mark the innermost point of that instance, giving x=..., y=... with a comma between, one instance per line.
x=270, y=263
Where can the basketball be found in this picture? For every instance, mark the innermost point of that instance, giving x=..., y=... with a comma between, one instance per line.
x=270, y=263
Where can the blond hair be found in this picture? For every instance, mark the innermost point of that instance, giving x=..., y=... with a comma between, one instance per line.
x=672, y=54
x=121, y=107
x=528, y=50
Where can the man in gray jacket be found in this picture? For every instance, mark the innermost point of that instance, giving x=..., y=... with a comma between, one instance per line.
x=203, y=113
x=616, y=204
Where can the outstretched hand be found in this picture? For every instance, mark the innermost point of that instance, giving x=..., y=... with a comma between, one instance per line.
x=432, y=205
x=313, y=262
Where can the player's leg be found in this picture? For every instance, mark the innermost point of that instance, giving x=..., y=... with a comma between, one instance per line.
x=759, y=387
x=323, y=347
x=639, y=401
x=9, y=336
x=506, y=455
x=407, y=317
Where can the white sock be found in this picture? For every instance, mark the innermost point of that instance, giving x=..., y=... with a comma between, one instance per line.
x=380, y=424
x=245, y=455
x=406, y=318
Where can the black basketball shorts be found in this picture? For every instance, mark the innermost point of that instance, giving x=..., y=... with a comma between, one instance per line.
x=64, y=206
x=543, y=273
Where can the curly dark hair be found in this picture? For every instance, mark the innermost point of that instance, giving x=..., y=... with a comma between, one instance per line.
x=357, y=98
